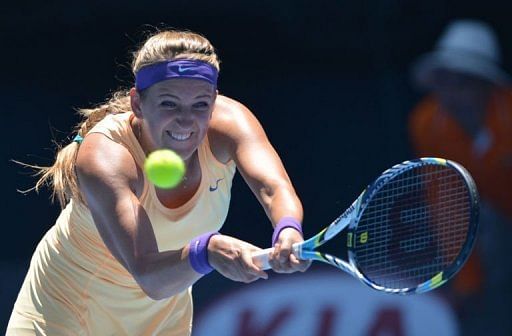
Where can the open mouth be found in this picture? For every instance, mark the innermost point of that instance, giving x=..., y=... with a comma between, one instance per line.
x=179, y=136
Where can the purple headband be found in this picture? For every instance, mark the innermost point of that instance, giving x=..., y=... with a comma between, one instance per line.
x=180, y=68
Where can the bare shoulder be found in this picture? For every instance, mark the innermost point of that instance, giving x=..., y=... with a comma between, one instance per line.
x=231, y=123
x=229, y=113
x=101, y=161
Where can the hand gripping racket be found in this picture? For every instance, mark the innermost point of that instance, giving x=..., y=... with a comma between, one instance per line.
x=408, y=232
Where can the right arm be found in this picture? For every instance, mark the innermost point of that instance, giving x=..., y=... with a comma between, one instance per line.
x=109, y=180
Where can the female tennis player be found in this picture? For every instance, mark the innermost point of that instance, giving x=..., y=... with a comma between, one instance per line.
x=123, y=254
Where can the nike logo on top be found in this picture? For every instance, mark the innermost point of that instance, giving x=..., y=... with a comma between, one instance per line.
x=216, y=185
x=181, y=69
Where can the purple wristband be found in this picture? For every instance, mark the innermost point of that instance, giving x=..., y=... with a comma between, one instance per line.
x=285, y=222
x=198, y=253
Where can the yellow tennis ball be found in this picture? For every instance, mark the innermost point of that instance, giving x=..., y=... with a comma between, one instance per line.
x=164, y=168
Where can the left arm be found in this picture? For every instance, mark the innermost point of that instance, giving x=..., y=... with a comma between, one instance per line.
x=239, y=136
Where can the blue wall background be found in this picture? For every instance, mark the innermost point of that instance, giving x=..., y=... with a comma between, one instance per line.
x=329, y=81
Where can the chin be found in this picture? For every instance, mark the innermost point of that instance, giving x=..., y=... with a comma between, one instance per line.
x=185, y=155
x=183, y=149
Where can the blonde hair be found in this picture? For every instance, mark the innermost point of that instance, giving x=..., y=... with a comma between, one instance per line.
x=162, y=46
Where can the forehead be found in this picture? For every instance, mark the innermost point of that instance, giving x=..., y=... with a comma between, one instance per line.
x=182, y=87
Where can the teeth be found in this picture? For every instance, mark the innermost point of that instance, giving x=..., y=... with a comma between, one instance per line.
x=180, y=136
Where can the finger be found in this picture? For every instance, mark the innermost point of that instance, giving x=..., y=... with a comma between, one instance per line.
x=282, y=266
x=272, y=257
x=278, y=265
x=242, y=274
x=284, y=253
x=307, y=264
x=294, y=261
x=300, y=265
x=250, y=267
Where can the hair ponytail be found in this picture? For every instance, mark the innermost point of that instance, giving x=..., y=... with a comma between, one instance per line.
x=61, y=177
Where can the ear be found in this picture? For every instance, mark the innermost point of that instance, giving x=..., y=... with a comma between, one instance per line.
x=215, y=94
x=135, y=102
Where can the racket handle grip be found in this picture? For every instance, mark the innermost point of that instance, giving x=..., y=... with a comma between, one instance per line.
x=260, y=258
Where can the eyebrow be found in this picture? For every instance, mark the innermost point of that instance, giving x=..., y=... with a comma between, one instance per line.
x=171, y=95
x=204, y=96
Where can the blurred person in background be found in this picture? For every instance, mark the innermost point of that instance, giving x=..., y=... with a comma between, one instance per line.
x=466, y=116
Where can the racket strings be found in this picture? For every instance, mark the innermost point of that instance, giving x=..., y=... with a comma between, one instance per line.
x=418, y=239
x=456, y=217
x=390, y=191
x=414, y=227
x=457, y=208
x=452, y=207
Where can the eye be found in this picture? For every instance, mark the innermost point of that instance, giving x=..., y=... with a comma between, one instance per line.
x=168, y=104
x=201, y=105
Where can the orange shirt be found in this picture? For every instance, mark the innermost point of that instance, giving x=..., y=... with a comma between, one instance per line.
x=435, y=133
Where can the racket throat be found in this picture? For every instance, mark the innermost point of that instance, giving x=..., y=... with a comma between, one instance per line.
x=341, y=264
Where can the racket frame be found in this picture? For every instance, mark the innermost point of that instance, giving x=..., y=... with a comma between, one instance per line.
x=350, y=219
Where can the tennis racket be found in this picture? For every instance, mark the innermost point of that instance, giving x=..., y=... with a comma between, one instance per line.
x=409, y=231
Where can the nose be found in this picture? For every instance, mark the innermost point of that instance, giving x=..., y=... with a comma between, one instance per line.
x=185, y=119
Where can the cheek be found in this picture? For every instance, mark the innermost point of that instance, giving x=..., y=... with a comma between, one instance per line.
x=204, y=120
x=158, y=117
x=202, y=126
